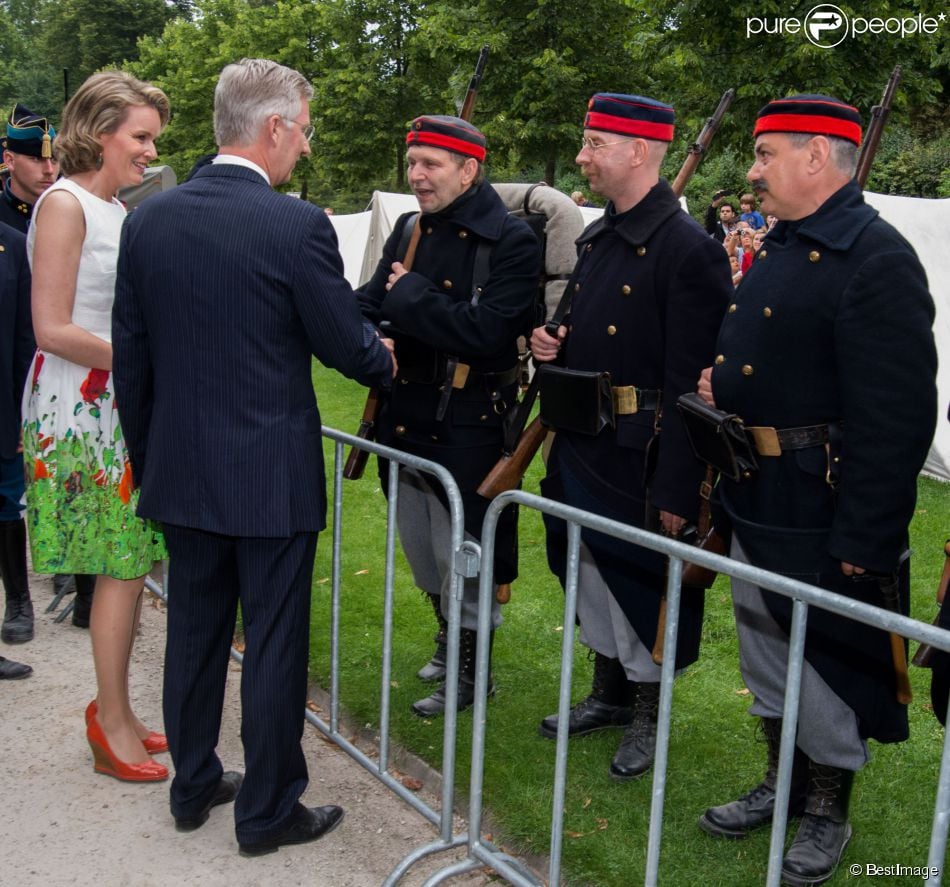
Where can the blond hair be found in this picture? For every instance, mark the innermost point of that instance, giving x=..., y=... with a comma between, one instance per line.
x=98, y=107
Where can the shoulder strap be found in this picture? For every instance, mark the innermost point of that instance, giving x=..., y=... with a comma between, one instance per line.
x=481, y=269
x=406, y=235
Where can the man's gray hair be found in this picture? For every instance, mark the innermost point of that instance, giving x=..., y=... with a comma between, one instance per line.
x=250, y=91
x=844, y=152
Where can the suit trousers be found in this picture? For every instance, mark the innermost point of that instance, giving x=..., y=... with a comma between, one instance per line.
x=208, y=575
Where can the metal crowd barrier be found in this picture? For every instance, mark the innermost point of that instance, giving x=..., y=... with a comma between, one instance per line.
x=481, y=853
x=465, y=565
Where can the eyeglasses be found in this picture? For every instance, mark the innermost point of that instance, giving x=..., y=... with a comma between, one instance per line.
x=306, y=128
x=591, y=145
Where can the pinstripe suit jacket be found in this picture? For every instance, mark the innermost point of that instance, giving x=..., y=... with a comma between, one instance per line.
x=16, y=335
x=225, y=289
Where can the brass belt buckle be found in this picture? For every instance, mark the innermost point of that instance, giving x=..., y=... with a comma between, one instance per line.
x=460, y=376
x=625, y=400
x=766, y=440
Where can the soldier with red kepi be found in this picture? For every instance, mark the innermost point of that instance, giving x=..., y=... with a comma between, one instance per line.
x=828, y=356
x=648, y=295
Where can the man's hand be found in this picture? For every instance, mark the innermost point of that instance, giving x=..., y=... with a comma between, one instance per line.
x=391, y=348
x=398, y=271
x=545, y=348
x=704, y=387
x=672, y=523
x=852, y=570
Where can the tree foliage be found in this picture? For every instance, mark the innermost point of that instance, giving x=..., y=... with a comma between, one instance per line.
x=375, y=64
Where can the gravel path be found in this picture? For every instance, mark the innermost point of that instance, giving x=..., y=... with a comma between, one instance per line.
x=66, y=825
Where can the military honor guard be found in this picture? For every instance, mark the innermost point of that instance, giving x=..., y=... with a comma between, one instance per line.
x=30, y=162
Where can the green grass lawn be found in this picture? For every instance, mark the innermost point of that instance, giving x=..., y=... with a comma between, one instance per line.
x=713, y=756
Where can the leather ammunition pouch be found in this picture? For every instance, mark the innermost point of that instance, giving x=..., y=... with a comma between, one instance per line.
x=717, y=438
x=580, y=401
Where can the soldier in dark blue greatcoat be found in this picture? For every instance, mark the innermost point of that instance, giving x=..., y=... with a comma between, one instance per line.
x=648, y=294
x=16, y=352
x=828, y=356
x=455, y=317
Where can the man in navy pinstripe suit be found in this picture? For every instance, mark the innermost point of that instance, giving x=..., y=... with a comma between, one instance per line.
x=225, y=289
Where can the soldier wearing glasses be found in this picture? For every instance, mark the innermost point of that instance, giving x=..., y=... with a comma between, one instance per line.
x=827, y=354
x=649, y=292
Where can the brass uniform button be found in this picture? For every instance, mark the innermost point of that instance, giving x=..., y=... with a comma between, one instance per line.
x=447, y=284
x=463, y=234
x=589, y=247
x=625, y=289
x=641, y=250
x=767, y=312
x=577, y=287
x=814, y=256
x=732, y=308
x=429, y=230
x=747, y=370
x=483, y=418
x=611, y=330
x=720, y=359
x=400, y=430
x=403, y=381
x=761, y=254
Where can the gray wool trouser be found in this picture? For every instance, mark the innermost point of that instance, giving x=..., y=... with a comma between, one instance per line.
x=604, y=626
x=827, y=726
x=425, y=533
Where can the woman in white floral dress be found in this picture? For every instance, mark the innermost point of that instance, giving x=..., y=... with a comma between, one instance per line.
x=80, y=497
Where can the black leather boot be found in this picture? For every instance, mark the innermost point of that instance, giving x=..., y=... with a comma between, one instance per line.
x=435, y=704
x=638, y=746
x=13, y=671
x=754, y=809
x=82, y=606
x=606, y=706
x=434, y=669
x=18, y=616
x=824, y=832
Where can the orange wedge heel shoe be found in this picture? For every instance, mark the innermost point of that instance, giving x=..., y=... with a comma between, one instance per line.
x=155, y=743
x=107, y=763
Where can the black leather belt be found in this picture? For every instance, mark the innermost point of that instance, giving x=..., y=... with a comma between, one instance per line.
x=769, y=441
x=629, y=399
x=493, y=380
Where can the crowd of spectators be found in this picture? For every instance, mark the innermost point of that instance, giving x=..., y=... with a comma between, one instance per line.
x=740, y=232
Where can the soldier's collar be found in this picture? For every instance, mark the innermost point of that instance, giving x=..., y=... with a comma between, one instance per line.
x=839, y=221
x=21, y=206
x=479, y=209
x=639, y=224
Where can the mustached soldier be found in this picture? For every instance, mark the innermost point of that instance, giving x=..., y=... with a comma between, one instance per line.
x=827, y=353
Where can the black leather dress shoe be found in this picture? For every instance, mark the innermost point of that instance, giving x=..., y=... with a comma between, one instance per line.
x=13, y=671
x=226, y=791
x=307, y=824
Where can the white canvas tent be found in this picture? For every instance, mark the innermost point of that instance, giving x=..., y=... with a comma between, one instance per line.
x=924, y=223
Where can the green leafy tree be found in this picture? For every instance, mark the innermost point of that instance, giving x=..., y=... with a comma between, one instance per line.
x=87, y=35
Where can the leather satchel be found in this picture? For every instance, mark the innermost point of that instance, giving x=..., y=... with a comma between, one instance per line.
x=575, y=400
x=717, y=438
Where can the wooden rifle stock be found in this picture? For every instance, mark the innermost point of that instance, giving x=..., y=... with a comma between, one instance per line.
x=356, y=461
x=509, y=469
x=872, y=138
x=695, y=152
